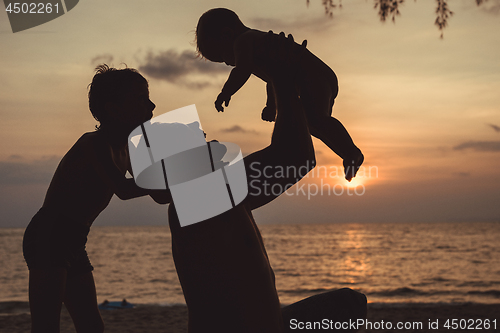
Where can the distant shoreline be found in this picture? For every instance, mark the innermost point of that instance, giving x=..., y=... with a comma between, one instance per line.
x=16, y=307
x=163, y=224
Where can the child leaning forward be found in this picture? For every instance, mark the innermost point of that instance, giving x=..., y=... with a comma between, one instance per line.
x=87, y=177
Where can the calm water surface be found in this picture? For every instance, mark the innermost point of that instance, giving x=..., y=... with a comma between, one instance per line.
x=390, y=263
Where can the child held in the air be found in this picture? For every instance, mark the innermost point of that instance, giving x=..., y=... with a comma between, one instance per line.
x=222, y=37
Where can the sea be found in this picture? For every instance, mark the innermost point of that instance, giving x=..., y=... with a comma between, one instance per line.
x=391, y=263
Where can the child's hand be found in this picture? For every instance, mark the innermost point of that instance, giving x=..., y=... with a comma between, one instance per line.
x=222, y=98
x=269, y=113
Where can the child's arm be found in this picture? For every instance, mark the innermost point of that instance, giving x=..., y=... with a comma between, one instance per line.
x=127, y=189
x=161, y=197
x=243, y=52
x=102, y=158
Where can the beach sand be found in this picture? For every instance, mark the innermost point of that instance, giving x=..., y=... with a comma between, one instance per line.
x=409, y=314
x=155, y=319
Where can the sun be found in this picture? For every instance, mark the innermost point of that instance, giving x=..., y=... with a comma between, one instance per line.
x=340, y=182
x=355, y=182
x=333, y=177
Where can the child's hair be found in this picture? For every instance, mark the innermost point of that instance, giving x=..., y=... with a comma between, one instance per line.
x=210, y=28
x=109, y=85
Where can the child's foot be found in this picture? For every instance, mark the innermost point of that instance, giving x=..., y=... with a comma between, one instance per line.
x=269, y=113
x=351, y=166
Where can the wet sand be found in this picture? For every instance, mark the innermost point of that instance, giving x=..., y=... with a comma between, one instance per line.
x=155, y=319
x=425, y=314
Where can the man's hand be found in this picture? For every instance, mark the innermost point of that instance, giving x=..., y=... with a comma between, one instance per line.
x=286, y=53
x=161, y=197
x=222, y=98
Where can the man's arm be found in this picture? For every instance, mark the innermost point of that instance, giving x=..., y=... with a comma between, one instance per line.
x=270, y=95
x=269, y=112
x=290, y=155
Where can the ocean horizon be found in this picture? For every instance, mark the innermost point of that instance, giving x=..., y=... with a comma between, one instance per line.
x=393, y=264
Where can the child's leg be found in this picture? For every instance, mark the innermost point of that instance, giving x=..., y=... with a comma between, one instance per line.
x=335, y=136
x=46, y=293
x=81, y=301
x=318, y=104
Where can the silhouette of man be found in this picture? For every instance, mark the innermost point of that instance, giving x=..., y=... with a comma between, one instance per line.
x=222, y=264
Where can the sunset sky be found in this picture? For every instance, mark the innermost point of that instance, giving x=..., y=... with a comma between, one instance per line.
x=424, y=110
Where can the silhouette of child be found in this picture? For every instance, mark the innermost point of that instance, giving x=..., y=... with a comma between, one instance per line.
x=222, y=37
x=88, y=176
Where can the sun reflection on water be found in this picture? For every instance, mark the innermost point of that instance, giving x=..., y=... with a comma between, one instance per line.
x=355, y=265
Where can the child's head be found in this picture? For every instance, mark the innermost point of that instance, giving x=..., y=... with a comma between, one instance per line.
x=111, y=88
x=216, y=28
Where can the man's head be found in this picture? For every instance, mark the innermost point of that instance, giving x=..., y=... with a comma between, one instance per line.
x=216, y=31
x=119, y=97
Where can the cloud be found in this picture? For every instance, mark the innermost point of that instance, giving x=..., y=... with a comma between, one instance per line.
x=490, y=146
x=495, y=127
x=183, y=68
x=491, y=7
x=17, y=171
x=461, y=174
x=15, y=157
x=238, y=129
x=102, y=59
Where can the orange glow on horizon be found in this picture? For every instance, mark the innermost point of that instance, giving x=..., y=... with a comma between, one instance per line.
x=333, y=175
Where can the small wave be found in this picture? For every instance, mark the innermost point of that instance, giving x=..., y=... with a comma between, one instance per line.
x=290, y=274
x=306, y=291
x=166, y=304
x=440, y=279
x=477, y=283
x=382, y=305
x=404, y=291
x=432, y=281
x=445, y=247
x=494, y=293
x=14, y=307
x=478, y=262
